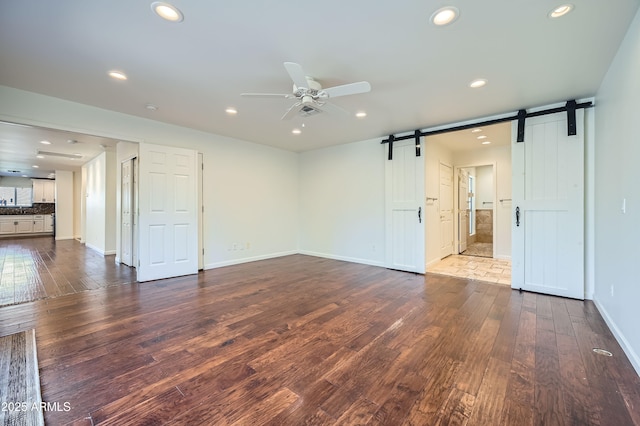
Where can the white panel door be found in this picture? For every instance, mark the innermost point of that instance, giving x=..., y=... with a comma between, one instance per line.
x=463, y=210
x=548, y=203
x=446, y=210
x=168, y=217
x=404, y=199
x=126, y=234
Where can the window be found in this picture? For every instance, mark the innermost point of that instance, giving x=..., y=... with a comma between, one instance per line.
x=15, y=197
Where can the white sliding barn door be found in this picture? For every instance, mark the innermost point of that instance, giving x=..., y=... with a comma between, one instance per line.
x=548, y=191
x=404, y=195
x=168, y=222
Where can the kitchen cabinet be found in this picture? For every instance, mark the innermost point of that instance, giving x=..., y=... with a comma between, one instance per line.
x=26, y=224
x=38, y=223
x=7, y=227
x=44, y=190
x=48, y=223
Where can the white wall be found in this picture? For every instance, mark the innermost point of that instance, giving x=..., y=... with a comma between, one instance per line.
x=484, y=187
x=250, y=201
x=64, y=205
x=617, y=155
x=250, y=190
x=77, y=205
x=342, y=202
x=96, y=212
x=500, y=156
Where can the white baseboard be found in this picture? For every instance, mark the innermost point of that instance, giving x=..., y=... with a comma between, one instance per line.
x=626, y=347
x=64, y=237
x=503, y=257
x=344, y=258
x=433, y=262
x=248, y=259
x=94, y=248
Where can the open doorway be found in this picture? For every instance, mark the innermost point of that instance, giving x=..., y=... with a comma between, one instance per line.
x=481, y=192
x=476, y=213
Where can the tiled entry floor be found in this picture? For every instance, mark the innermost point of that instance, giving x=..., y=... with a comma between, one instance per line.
x=475, y=268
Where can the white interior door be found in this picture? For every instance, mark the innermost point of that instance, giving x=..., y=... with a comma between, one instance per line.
x=126, y=193
x=548, y=194
x=463, y=210
x=404, y=199
x=134, y=208
x=168, y=212
x=446, y=210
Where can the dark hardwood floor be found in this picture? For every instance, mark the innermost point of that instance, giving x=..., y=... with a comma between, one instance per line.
x=40, y=267
x=303, y=340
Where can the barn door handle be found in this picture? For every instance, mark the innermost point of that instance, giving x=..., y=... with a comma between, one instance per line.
x=517, y=216
x=419, y=214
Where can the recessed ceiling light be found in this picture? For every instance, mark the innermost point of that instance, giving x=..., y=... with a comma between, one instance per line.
x=486, y=142
x=167, y=11
x=477, y=83
x=482, y=137
x=118, y=75
x=476, y=130
x=361, y=114
x=561, y=11
x=445, y=16
x=39, y=156
x=45, y=142
x=296, y=131
x=35, y=166
x=231, y=111
x=151, y=107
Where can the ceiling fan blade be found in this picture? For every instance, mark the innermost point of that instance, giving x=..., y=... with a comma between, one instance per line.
x=331, y=108
x=297, y=74
x=291, y=112
x=348, y=89
x=266, y=95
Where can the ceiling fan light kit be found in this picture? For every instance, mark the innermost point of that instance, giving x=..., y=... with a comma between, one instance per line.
x=311, y=98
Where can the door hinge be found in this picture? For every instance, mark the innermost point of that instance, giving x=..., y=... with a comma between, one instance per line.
x=203, y=252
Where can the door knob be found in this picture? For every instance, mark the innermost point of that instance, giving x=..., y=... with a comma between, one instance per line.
x=517, y=216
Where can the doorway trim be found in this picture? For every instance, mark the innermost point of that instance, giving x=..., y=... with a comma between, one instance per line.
x=494, y=186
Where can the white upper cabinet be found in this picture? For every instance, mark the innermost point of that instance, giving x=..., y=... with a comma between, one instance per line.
x=44, y=191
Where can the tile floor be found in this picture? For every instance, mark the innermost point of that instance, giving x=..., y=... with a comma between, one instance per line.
x=476, y=268
x=479, y=249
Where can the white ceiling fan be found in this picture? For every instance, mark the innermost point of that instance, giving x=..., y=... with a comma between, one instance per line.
x=311, y=97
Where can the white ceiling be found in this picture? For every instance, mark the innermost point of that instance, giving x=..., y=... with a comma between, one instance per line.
x=193, y=70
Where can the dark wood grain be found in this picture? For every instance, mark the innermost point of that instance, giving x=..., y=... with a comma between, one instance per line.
x=302, y=340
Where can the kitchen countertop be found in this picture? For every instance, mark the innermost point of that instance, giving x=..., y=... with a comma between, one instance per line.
x=37, y=208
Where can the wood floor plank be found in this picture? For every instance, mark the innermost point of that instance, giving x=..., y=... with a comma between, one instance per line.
x=304, y=340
